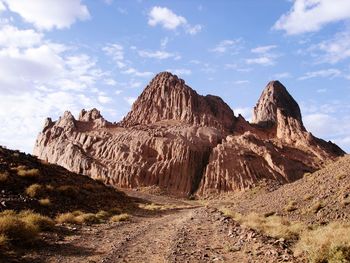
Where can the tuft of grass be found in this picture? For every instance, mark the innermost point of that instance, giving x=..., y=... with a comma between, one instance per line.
x=14, y=229
x=4, y=176
x=77, y=217
x=45, y=202
x=28, y=173
x=291, y=206
x=317, y=206
x=34, y=190
x=274, y=226
x=3, y=240
x=329, y=243
x=67, y=218
x=103, y=215
x=121, y=217
x=44, y=223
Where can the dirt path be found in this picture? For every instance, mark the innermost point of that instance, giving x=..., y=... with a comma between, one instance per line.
x=193, y=234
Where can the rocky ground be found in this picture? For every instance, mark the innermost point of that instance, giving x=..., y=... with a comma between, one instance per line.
x=191, y=233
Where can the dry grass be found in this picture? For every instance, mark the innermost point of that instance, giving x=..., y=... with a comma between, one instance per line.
x=22, y=227
x=34, y=190
x=79, y=217
x=23, y=172
x=273, y=226
x=4, y=176
x=317, y=206
x=329, y=243
x=43, y=222
x=121, y=217
x=291, y=206
x=45, y=202
x=3, y=240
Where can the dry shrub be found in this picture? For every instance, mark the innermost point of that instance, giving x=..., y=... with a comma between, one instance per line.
x=34, y=190
x=15, y=229
x=43, y=222
x=103, y=215
x=291, y=206
x=45, y=202
x=28, y=173
x=77, y=217
x=317, y=206
x=4, y=176
x=121, y=217
x=3, y=240
x=274, y=226
x=329, y=243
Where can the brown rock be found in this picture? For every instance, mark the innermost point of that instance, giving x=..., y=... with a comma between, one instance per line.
x=184, y=142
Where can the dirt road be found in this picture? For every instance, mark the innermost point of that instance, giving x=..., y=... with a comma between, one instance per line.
x=192, y=234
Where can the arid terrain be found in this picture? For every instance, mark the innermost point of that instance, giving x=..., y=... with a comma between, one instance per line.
x=160, y=228
x=179, y=179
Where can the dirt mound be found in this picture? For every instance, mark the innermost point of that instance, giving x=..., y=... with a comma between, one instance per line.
x=29, y=183
x=320, y=197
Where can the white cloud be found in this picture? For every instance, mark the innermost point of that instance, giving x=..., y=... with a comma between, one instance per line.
x=180, y=71
x=165, y=17
x=169, y=20
x=164, y=42
x=242, y=82
x=104, y=99
x=246, y=112
x=135, y=72
x=325, y=73
x=130, y=100
x=110, y=82
x=312, y=15
x=193, y=30
x=264, y=61
x=2, y=7
x=228, y=45
x=11, y=36
x=282, y=75
x=116, y=51
x=49, y=14
x=333, y=50
x=263, y=49
x=159, y=54
x=118, y=91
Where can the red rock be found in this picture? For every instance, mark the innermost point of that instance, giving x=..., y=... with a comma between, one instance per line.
x=186, y=143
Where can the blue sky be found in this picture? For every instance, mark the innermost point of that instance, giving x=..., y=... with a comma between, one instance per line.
x=58, y=55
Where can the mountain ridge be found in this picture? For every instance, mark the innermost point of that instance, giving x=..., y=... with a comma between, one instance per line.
x=188, y=144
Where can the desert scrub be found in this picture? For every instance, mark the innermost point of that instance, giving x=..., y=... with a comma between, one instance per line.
x=4, y=176
x=45, y=202
x=291, y=206
x=317, y=206
x=103, y=215
x=274, y=226
x=28, y=173
x=329, y=243
x=77, y=217
x=22, y=227
x=44, y=223
x=121, y=217
x=34, y=190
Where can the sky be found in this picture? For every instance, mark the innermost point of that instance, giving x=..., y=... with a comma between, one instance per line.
x=58, y=55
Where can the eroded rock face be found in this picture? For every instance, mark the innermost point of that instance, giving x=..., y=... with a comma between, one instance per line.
x=186, y=143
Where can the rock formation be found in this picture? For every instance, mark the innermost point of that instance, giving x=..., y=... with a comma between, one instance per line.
x=186, y=143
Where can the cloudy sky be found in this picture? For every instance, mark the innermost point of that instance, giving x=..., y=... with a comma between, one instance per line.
x=58, y=55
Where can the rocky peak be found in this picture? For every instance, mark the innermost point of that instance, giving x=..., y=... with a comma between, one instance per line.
x=167, y=97
x=67, y=121
x=274, y=100
x=90, y=115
